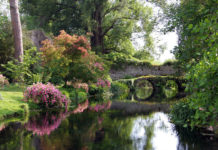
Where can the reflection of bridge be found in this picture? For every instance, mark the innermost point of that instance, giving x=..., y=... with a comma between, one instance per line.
x=155, y=88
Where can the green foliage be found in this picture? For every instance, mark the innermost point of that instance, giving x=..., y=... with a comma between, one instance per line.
x=120, y=90
x=197, y=52
x=196, y=23
x=170, y=62
x=111, y=23
x=143, y=89
x=181, y=113
x=119, y=60
x=170, y=89
x=204, y=86
x=78, y=96
x=68, y=58
x=6, y=40
x=98, y=93
x=57, y=15
x=143, y=55
x=23, y=72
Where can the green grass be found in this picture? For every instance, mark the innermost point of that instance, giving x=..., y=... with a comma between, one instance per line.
x=12, y=103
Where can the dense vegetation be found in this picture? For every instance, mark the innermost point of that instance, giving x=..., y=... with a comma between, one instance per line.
x=87, y=37
x=196, y=22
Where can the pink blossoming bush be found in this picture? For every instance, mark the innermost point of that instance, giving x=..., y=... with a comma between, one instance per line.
x=46, y=95
x=3, y=81
x=99, y=66
x=103, y=83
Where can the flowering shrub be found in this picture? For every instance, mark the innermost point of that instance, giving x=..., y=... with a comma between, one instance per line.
x=103, y=83
x=84, y=86
x=101, y=107
x=46, y=95
x=3, y=80
x=99, y=66
x=70, y=58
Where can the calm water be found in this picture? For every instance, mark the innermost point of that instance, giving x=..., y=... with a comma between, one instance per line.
x=99, y=131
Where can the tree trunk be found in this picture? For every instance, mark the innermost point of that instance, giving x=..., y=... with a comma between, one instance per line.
x=97, y=40
x=17, y=31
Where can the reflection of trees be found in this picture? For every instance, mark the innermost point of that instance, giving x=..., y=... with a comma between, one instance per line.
x=75, y=132
x=170, y=89
x=142, y=139
x=143, y=89
x=14, y=137
x=117, y=133
x=191, y=139
x=44, y=123
x=91, y=130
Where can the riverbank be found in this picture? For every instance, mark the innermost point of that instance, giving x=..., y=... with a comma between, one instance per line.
x=11, y=103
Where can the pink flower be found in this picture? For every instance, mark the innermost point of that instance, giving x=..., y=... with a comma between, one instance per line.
x=99, y=66
x=45, y=94
x=103, y=83
x=210, y=128
x=82, y=86
x=2, y=127
x=201, y=109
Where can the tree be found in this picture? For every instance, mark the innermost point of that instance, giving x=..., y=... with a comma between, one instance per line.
x=6, y=40
x=196, y=22
x=110, y=22
x=17, y=31
x=183, y=18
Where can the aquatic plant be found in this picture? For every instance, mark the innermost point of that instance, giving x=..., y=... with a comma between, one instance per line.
x=46, y=95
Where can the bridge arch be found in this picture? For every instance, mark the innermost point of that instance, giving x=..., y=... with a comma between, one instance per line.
x=158, y=87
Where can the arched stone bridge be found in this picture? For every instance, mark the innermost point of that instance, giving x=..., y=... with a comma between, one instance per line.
x=155, y=88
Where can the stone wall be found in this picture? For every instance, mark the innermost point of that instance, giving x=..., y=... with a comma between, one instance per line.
x=136, y=71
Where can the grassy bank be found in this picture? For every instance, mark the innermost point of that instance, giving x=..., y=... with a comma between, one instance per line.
x=11, y=104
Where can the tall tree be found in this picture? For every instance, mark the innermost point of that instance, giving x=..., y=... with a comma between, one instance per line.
x=17, y=30
x=111, y=22
x=184, y=18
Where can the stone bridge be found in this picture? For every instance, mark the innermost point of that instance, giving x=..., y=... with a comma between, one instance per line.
x=155, y=88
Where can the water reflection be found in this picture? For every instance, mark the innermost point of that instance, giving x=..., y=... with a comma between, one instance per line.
x=90, y=130
x=143, y=89
x=45, y=123
x=153, y=132
x=170, y=89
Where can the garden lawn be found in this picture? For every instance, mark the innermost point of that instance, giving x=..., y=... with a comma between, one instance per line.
x=11, y=103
